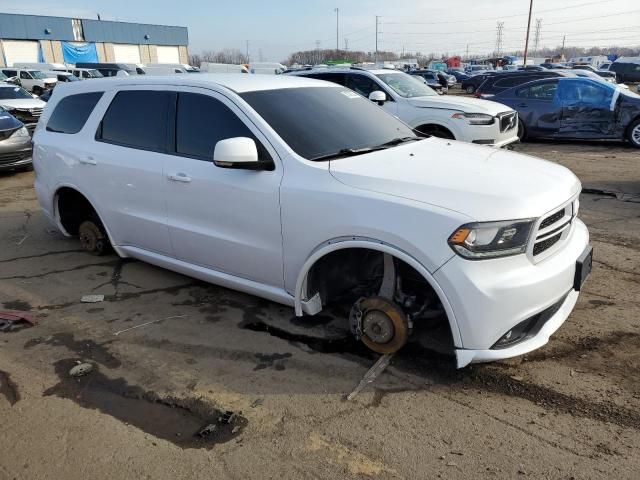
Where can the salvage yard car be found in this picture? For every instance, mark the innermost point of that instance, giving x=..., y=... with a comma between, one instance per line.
x=307, y=194
x=577, y=108
x=15, y=143
x=21, y=104
x=420, y=107
x=34, y=81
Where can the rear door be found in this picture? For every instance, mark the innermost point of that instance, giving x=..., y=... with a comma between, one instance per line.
x=126, y=162
x=588, y=108
x=220, y=218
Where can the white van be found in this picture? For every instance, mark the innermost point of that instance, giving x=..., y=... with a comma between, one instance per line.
x=266, y=68
x=153, y=70
x=85, y=73
x=184, y=67
x=41, y=66
x=34, y=81
x=222, y=68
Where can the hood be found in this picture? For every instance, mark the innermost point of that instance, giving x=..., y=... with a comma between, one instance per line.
x=23, y=103
x=9, y=122
x=481, y=182
x=462, y=104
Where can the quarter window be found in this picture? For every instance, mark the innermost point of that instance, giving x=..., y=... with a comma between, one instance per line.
x=202, y=121
x=138, y=119
x=72, y=112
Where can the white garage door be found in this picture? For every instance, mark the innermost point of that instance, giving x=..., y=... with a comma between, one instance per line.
x=16, y=51
x=168, y=55
x=126, y=53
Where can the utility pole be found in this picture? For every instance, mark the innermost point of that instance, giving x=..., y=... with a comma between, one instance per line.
x=337, y=10
x=536, y=37
x=467, y=57
x=564, y=37
x=499, y=39
x=376, y=55
x=317, y=52
x=247, y=50
x=526, y=43
x=346, y=44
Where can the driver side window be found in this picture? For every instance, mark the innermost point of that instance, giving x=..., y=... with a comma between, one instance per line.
x=361, y=84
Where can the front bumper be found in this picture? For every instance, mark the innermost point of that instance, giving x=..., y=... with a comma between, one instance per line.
x=490, y=297
x=489, y=134
x=15, y=153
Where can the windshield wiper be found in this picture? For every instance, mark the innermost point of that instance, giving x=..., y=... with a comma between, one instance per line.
x=345, y=152
x=350, y=152
x=397, y=141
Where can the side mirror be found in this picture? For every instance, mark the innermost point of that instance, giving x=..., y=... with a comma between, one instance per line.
x=240, y=153
x=378, y=97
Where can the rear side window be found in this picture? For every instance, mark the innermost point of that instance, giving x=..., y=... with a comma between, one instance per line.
x=202, y=121
x=138, y=119
x=72, y=112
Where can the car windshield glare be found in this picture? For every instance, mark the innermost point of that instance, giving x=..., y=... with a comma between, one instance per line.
x=406, y=85
x=318, y=122
x=14, y=93
x=37, y=74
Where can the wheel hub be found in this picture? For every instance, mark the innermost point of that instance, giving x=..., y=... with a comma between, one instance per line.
x=381, y=324
x=378, y=326
x=91, y=238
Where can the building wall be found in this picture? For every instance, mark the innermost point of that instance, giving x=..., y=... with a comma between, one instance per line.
x=184, y=54
x=52, y=51
x=102, y=52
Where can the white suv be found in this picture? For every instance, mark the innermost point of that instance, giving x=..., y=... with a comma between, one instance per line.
x=419, y=106
x=307, y=194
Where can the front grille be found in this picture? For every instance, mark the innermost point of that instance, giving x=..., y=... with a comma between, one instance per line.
x=4, y=134
x=27, y=114
x=508, y=121
x=551, y=219
x=13, y=157
x=544, y=245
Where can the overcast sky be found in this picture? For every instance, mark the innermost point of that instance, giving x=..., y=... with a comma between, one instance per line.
x=275, y=28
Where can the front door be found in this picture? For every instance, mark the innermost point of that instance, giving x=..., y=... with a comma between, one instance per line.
x=219, y=218
x=587, y=108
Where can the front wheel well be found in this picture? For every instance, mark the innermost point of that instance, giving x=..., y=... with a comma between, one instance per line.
x=435, y=130
x=342, y=277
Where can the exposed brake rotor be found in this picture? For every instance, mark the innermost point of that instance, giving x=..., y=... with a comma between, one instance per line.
x=92, y=240
x=381, y=324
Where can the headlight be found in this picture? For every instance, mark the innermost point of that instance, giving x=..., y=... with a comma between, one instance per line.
x=23, y=132
x=477, y=241
x=474, y=118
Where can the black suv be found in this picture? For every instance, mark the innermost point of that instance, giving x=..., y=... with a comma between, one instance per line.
x=499, y=83
x=471, y=84
x=112, y=69
x=626, y=71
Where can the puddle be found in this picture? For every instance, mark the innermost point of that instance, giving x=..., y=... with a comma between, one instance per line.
x=87, y=349
x=8, y=389
x=179, y=421
x=17, y=305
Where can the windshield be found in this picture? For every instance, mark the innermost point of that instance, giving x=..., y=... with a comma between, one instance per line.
x=14, y=93
x=94, y=73
x=37, y=74
x=320, y=121
x=405, y=85
x=3, y=77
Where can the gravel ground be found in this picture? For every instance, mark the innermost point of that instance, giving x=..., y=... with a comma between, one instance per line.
x=270, y=401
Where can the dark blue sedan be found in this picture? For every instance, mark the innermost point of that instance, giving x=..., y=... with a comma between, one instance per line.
x=576, y=108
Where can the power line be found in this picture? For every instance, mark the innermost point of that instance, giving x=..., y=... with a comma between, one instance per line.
x=500, y=16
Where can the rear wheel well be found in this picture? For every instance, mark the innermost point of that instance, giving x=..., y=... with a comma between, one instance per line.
x=436, y=131
x=73, y=209
x=344, y=276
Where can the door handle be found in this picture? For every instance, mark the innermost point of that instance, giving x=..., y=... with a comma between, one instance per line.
x=179, y=177
x=88, y=161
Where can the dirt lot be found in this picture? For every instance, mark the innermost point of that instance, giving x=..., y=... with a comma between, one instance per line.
x=273, y=389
